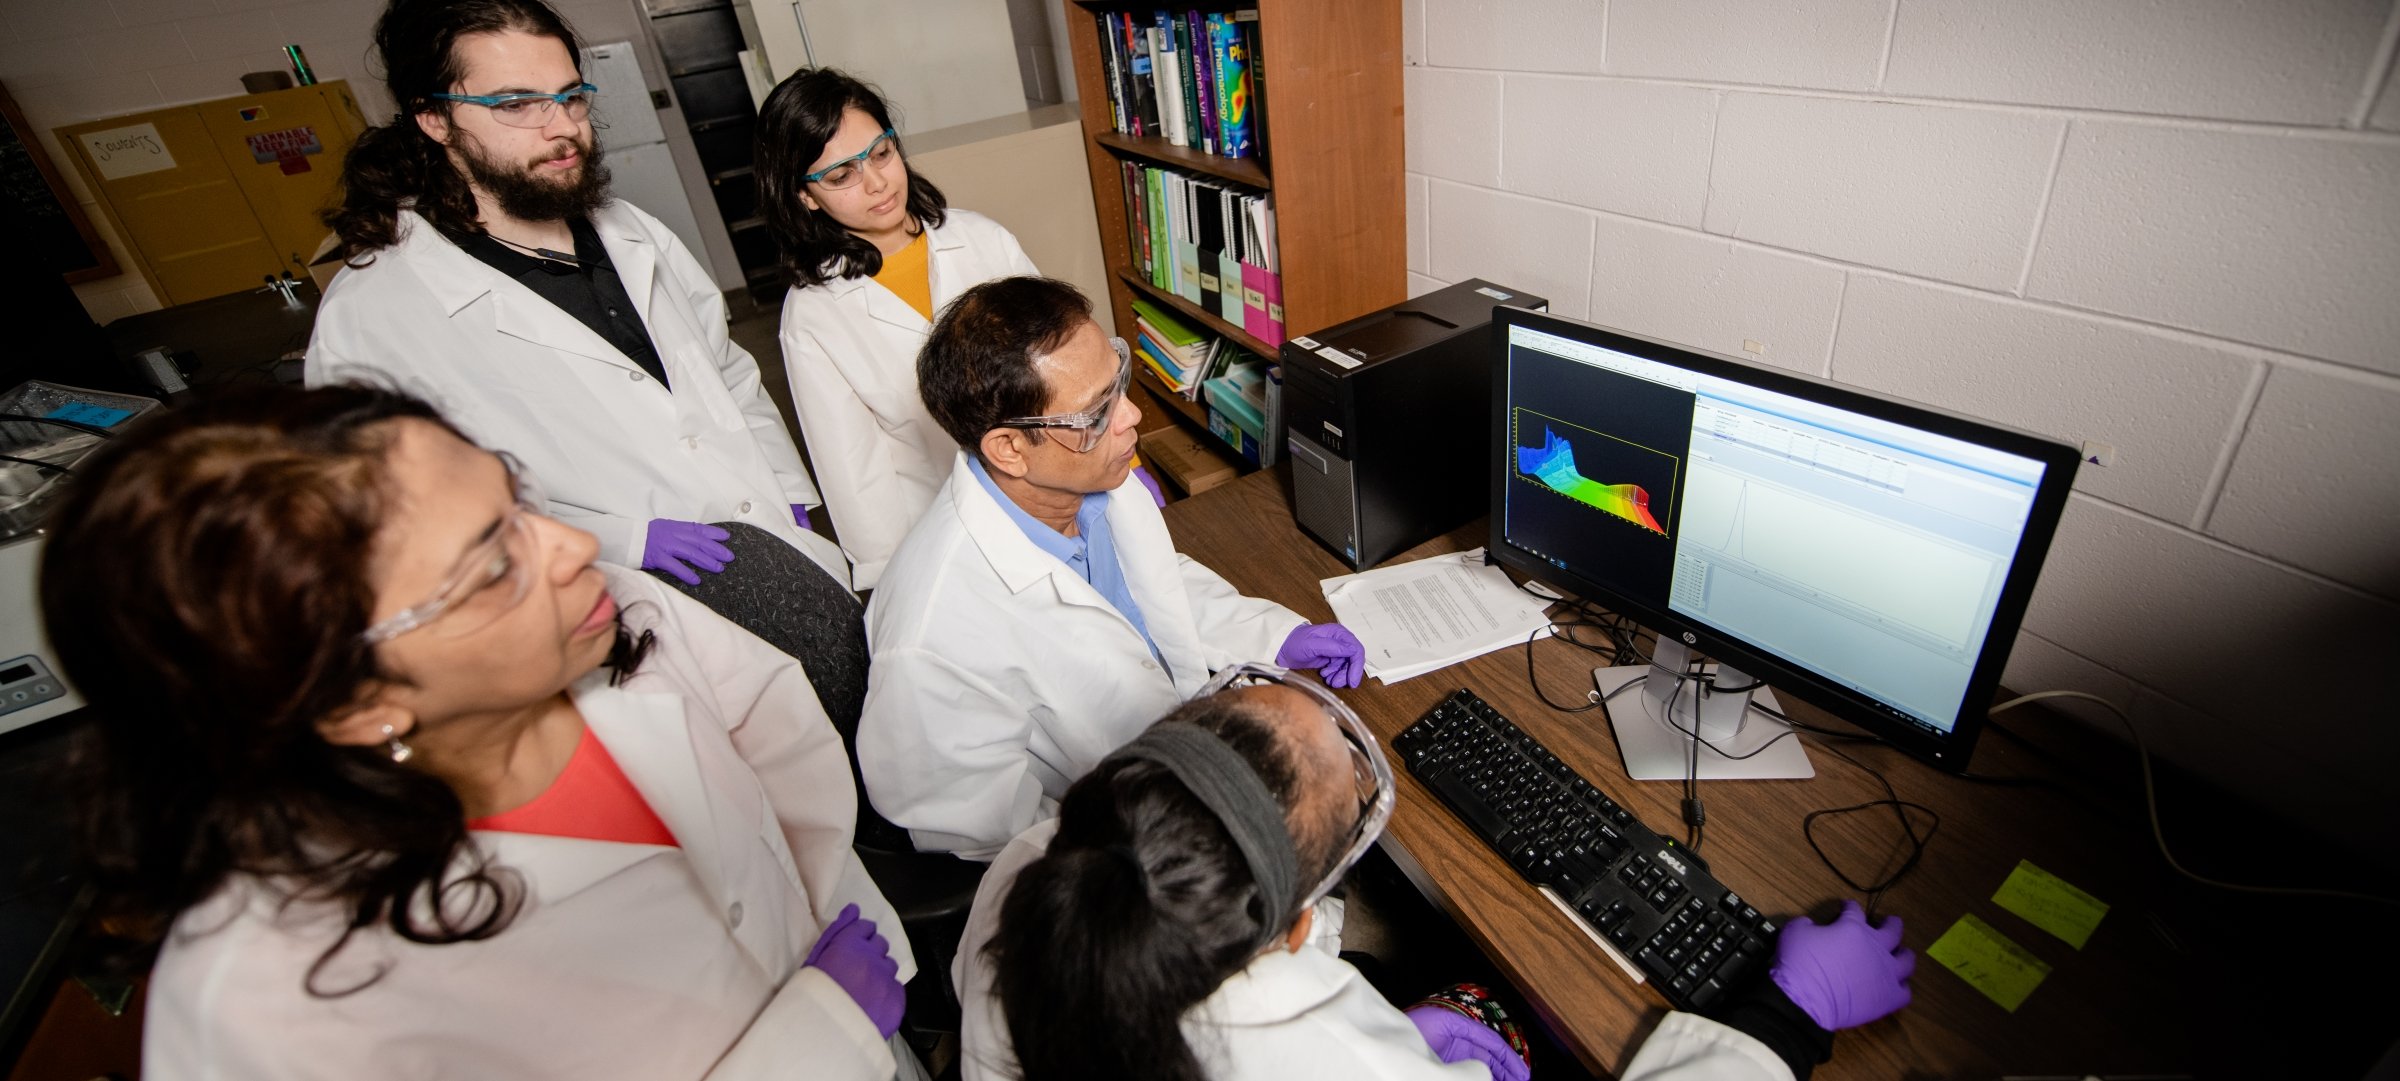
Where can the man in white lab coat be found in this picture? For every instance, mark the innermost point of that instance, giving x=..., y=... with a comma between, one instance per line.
x=490, y=272
x=1038, y=615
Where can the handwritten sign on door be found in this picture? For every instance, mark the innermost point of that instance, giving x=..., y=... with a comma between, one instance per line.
x=127, y=151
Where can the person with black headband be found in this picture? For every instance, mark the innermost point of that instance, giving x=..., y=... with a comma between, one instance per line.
x=489, y=270
x=1159, y=928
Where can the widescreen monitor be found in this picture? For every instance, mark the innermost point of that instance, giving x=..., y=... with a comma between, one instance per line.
x=1865, y=554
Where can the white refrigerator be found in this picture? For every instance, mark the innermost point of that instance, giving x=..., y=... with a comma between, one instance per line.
x=641, y=169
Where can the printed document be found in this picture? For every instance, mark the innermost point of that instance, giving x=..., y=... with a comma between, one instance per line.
x=1432, y=613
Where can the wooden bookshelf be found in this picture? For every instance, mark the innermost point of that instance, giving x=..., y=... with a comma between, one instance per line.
x=1334, y=127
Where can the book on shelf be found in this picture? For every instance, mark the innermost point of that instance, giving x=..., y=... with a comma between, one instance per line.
x=1232, y=59
x=1189, y=78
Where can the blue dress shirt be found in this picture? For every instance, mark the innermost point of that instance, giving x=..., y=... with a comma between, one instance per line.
x=1091, y=554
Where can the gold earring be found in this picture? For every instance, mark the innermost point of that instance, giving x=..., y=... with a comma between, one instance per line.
x=400, y=752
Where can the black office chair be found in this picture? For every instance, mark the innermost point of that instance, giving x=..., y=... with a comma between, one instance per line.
x=784, y=598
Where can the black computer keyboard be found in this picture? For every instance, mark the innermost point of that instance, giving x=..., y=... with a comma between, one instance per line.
x=1668, y=919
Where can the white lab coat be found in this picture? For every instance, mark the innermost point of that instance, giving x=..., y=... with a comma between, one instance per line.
x=1302, y=1013
x=1307, y=1013
x=628, y=961
x=1000, y=675
x=850, y=350
x=611, y=447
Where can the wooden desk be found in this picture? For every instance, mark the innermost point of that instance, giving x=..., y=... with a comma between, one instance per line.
x=2147, y=994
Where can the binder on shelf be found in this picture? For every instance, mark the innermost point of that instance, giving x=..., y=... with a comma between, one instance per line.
x=1229, y=263
x=1212, y=248
x=1254, y=305
x=1187, y=278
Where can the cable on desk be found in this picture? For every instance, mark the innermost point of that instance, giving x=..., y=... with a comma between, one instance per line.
x=1917, y=843
x=2150, y=797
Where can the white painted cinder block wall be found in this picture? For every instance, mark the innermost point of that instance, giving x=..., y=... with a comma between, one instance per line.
x=2173, y=228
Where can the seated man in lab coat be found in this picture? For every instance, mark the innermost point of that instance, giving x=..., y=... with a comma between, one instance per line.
x=490, y=272
x=1038, y=615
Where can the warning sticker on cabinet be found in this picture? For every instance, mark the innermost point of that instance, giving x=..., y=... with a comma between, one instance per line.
x=288, y=148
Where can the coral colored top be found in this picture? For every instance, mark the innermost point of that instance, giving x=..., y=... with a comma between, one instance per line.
x=592, y=799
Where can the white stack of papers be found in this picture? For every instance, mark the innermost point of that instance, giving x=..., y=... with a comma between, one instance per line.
x=1433, y=613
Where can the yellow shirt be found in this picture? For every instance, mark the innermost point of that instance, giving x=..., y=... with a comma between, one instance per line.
x=907, y=274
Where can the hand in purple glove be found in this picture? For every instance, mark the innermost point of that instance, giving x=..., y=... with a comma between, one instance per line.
x=860, y=962
x=800, y=518
x=1843, y=973
x=1454, y=1036
x=671, y=544
x=1338, y=656
x=1157, y=494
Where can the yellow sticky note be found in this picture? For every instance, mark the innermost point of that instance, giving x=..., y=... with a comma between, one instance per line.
x=2048, y=902
x=1989, y=962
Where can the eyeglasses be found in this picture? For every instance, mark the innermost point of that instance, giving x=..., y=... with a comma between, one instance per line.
x=1371, y=772
x=1082, y=431
x=530, y=110
x=489, y=580
x=849, y=170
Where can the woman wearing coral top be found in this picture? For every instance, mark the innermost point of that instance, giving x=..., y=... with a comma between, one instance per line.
x=395, y=781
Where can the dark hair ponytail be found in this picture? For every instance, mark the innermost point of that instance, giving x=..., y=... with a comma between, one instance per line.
x=1141, y=907
x=397, y=166
x=797, y=119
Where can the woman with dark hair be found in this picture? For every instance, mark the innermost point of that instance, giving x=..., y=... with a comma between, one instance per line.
x=1173, y=922
x=391, y=779
x=873, y=252
x=1165, y=926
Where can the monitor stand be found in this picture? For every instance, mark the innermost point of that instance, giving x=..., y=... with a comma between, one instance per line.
x=1656, y=749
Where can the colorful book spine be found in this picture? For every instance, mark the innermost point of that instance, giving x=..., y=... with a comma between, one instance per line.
x=1233, y=86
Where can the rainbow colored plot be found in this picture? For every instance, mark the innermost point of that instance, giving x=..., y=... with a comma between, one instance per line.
x=1553, y=463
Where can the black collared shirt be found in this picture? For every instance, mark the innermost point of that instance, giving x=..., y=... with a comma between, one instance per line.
x=591, y=292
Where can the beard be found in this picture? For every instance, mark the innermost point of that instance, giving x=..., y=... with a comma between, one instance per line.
x=525, y=194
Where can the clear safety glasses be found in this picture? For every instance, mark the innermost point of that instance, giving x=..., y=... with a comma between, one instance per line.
x=490, y=579
x=1082, y=431
x=530, y=110
x=850, y=170
x=1371, y=772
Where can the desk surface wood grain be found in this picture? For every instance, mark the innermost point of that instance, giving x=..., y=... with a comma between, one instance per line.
x=2138, y=999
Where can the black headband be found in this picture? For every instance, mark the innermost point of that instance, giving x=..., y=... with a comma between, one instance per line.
x=1233, y=792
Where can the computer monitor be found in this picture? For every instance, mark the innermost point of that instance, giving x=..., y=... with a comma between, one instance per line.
x=1868, y=555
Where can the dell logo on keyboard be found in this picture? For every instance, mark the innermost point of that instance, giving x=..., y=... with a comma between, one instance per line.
x=1675, y=864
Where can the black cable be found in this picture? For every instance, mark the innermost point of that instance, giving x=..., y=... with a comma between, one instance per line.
x=52, y=466
x=1530, y=681
x=87, y=429
x=1900, y=808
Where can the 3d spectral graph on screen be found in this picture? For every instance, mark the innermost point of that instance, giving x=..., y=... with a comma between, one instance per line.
x=1553, y=464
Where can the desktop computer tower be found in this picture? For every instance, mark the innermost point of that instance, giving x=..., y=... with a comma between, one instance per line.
x=1386, y=419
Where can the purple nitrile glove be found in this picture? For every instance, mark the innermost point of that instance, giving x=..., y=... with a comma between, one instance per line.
x=671, y=544
x=800, y=517
x=1843, y=973
x=1157, y=494
x=1338, y=656
x=859, y=961
x=1454, y=1036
